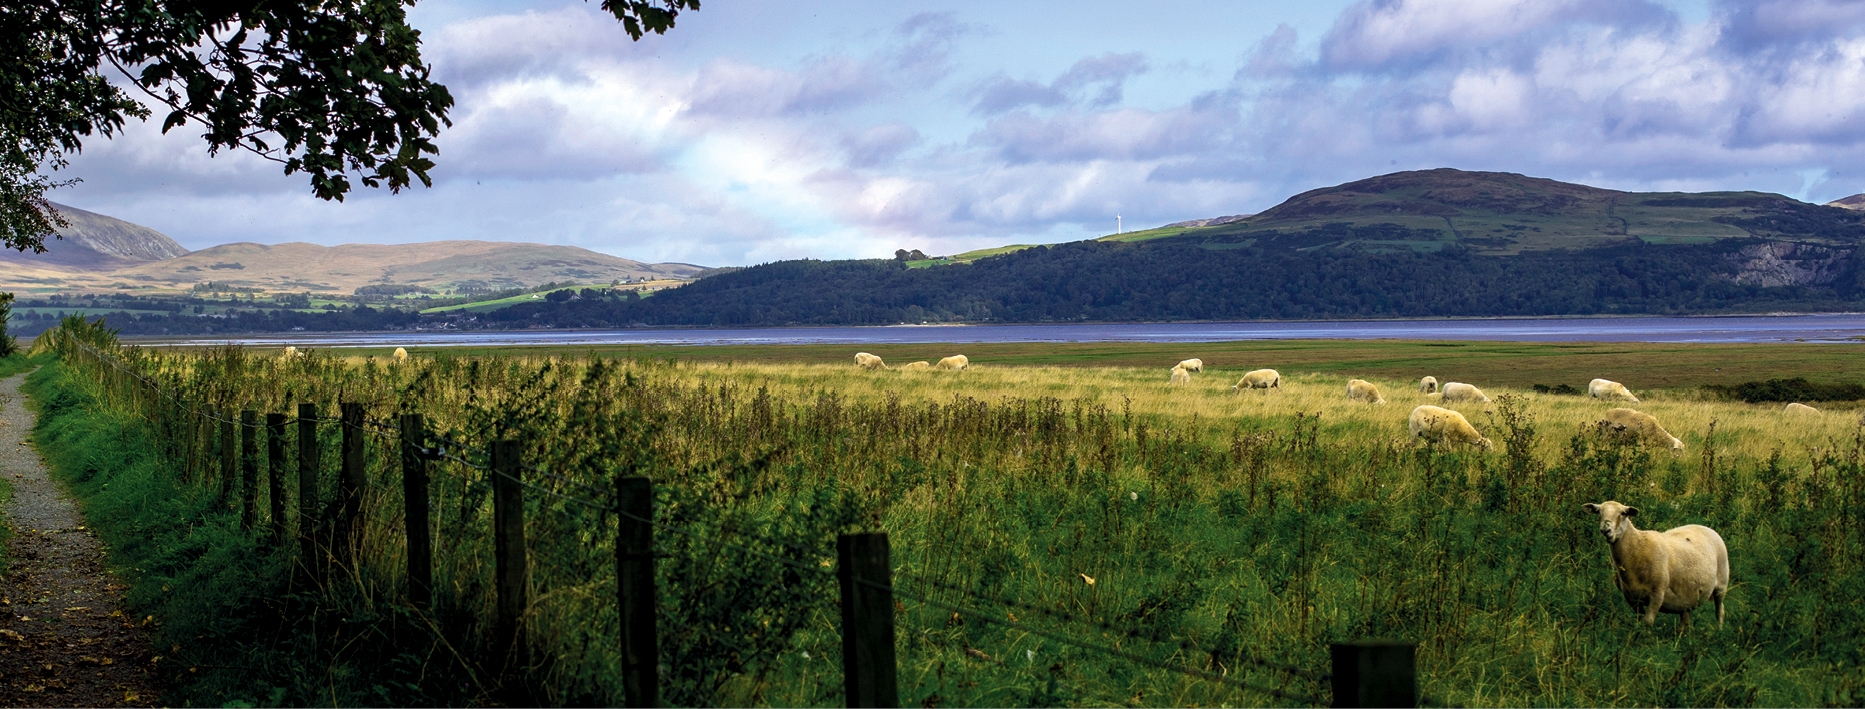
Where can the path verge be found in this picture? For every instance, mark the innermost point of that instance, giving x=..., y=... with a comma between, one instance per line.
x=64, y=639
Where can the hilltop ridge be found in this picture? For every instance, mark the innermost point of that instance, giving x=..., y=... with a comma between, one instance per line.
x=96, y=241
x=1501, y=213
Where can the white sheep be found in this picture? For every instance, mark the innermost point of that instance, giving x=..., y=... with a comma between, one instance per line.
x=1440, y=425
x=955, y=362
x=1459, y=391
x=290, y=352
x=1672, y=571
x=1258, y=379
x=1180, y=376
x=1192, y=365
x=868, y=361
x=1362, y=390
x=1644, y=426
x=401, y=355
x=1428, y=385
x=1610, y=390
x=1799, y=408
x=913, y=366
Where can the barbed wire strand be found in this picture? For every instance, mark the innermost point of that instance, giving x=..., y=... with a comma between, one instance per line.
x=1135, y=634
x=694, y=535
x=1097, y=647
x=568, y=498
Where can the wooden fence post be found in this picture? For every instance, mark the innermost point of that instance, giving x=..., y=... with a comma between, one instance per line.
x=1374, y=675
x=414, y=503
x=275, y=473
x=508, y=542
x=228, y=454
x=350, y=484
x=249, y=467
x=634, y=583
x=866, y=577
x=309, y=455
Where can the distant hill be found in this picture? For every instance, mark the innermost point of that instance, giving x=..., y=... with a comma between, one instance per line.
x=1499, y=213
x=97, y=242
x=1856, y=201
x=1429, y=243
x=440, y=265
x=101, y=254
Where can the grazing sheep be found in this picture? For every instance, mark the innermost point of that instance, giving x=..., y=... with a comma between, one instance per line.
x=1180, y=376
x=1192, y=365
x=912, y=366
x=1440, y=425
x=1672, y=571
x=1362, y=390
x=955, y=362
x=868, y=361
x=401, y=354
x=1428, y=385
x=1258, y=379
x=1799, y=408
x=1644, y=426
x=1611, y=390
x=1459, y=391
x=290, y=352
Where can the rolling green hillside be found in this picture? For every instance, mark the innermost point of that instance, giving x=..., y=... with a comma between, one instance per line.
x=1497, y=213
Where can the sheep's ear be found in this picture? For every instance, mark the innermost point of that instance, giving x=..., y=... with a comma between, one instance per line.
x=1631, y=512
x=1590, y=508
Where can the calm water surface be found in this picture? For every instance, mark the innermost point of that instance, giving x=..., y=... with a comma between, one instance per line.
x=1782, y=328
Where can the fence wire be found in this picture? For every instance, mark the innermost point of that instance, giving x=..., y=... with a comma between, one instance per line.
x=1278, y=693
x=1066, y=616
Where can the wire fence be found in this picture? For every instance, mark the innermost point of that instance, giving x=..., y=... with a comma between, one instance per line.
x=1297, y=685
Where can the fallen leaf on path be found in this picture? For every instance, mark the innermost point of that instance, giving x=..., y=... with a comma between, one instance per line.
x=78, y=608
x=34, y=688
x=12, y=635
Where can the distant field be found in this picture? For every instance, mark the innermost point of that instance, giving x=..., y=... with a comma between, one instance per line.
x=485, y=305
x=1517, y=364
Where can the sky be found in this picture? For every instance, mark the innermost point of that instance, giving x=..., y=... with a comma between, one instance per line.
x=758, y=130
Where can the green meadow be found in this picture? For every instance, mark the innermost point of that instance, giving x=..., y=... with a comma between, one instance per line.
x=1050, y=492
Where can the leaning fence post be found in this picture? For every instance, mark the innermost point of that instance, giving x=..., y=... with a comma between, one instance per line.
x=350, y=485
x=309, y=454
x=508, y=541
x=249, y=467
x=866, y=577
x=634, y=583
x=275, y=473
x=228, y=453
x=414, y=503
x=1374, y=675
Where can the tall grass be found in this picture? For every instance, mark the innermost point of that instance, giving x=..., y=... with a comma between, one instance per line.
x=1230, y=527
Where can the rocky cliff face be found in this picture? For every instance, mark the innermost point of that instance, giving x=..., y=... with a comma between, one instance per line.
x=1785, y=263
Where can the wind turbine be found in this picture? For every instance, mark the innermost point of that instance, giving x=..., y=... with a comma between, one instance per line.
x=1118, y=228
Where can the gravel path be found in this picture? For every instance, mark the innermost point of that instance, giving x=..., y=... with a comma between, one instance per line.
x=63, y=639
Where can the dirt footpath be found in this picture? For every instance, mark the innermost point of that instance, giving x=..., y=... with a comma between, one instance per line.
x=63, y=639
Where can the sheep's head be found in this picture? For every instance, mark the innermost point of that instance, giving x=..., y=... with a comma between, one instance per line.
x=1486, y=444
x=1614, y=519
x=1677, y=446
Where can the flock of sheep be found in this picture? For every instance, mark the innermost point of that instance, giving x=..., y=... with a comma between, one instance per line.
x=1674, y=571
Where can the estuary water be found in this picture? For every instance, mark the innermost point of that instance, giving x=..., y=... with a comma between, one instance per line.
x=1845, y=328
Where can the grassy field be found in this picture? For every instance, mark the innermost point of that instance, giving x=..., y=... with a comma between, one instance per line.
x=1519, y=364
x=1055, y=487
